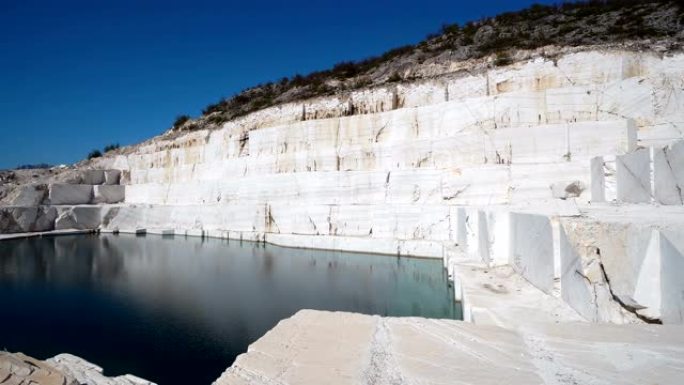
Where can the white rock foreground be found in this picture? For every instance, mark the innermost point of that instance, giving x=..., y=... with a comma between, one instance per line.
x=315, y=347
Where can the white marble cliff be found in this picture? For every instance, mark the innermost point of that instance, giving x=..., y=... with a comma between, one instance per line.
x=552, y=189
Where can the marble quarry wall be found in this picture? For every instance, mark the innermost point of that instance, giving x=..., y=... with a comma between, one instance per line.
x=568, y=170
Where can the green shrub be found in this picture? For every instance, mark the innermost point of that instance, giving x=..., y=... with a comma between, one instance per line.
x=450, y=29
x=94, y=154
x=345, y=70
x=214, y=107
x=180, y=120
x=111, y=147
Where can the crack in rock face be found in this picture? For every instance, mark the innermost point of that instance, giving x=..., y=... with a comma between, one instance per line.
x=382, y=369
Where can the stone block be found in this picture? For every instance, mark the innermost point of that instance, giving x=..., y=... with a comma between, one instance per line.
x=45, y=219
x=112, y=177
x=575, y=289
x=648, y=287
x=27, y=219
x=79, y=218
x=668, y=174
x=634, y=177
x=28, y=195
x=483, y=237
x=70, y=194
x=532, y=254
x=93, y=177
x=109, y=194
x=659, y=289
x=672, y=284
x=65, y=220
x=598, y=180
x=493, y=237
x=457, y=225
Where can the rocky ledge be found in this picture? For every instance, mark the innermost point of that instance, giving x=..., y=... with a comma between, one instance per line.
x=63, y=369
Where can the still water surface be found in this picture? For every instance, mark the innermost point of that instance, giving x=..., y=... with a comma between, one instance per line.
x=179, y=310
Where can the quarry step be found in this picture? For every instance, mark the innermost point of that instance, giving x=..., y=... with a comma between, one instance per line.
x=497, y=295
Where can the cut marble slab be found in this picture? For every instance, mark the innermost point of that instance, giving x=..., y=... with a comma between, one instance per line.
x=634, y=177
x=109, y=193
x=93, y=177
x=531, y=249
x=70, y=194
x=315, y=347
x=668, y=174
x=112, y=177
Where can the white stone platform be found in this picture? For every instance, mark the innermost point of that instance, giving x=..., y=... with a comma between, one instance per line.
x=315, y=347
x=497, y=295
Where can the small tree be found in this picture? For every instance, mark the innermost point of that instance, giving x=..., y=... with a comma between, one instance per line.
x=180, y=120
x=111, y=147
x=94, y=154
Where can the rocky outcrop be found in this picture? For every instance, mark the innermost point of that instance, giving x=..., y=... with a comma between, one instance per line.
x=64, y=369
x=86, y=373
x=19, y=369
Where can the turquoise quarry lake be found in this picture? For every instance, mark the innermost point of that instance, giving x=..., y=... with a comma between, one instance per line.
x=179, y=310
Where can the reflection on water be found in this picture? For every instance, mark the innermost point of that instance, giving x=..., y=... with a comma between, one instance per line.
x=179, y=310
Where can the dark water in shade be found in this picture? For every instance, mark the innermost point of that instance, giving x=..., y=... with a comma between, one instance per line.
x=179, y=310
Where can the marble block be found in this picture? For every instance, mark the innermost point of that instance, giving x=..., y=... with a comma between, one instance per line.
x=668, y=174
x=598, y=180
x=532, y=254
x=70, y=194
x=634, y=177
x=109, y=193
x=112, y=177
x=93, y=177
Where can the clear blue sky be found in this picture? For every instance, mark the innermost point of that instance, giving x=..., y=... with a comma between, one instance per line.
x=77, y=75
